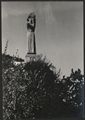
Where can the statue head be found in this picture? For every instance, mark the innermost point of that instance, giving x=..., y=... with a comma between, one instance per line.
x=31, y=21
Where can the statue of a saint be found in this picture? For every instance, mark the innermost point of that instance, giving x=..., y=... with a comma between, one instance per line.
x=31, y=23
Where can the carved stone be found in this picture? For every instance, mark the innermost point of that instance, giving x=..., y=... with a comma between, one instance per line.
x=31, y=24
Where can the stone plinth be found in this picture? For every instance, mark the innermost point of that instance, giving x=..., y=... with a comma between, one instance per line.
x=30, y=57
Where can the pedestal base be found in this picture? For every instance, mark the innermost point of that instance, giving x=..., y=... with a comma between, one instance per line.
x=30, y=57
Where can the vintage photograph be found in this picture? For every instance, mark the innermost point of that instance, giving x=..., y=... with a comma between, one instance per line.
x=42, y=60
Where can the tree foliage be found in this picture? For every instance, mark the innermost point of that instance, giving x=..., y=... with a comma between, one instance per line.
x=34, y=90
x=72, y=93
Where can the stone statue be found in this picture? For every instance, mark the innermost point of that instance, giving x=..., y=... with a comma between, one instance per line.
x=31, y=24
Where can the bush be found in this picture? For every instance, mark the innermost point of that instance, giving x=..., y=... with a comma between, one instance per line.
x=28, y=89
x=34, y=90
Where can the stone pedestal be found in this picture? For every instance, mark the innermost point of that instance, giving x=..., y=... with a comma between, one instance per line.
x=30, y=57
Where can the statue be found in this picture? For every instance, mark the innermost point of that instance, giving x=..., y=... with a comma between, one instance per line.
x=31, y=23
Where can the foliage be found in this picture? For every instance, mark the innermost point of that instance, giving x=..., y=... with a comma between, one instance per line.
x=34, y=90
x=8, y=61
x=71, y=93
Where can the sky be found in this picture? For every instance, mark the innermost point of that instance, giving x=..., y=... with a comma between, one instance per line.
x=59, y=31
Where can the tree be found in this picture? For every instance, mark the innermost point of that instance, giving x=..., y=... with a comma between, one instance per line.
x=40, y=88
x=72, y=93
x=28, y=89
x=34, y=90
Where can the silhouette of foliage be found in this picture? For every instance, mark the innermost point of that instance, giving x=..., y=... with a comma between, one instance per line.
x=8, y=61
x=72, y=88
x=34, y=90
x=41, y=87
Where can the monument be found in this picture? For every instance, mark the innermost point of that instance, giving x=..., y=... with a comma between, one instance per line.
x=31, y=24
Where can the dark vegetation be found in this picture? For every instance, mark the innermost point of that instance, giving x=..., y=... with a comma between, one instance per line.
x=34, y=90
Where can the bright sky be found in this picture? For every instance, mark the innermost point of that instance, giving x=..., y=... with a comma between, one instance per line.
x=59, y=31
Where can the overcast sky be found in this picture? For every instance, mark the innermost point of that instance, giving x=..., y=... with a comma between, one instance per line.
x=59, y=31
